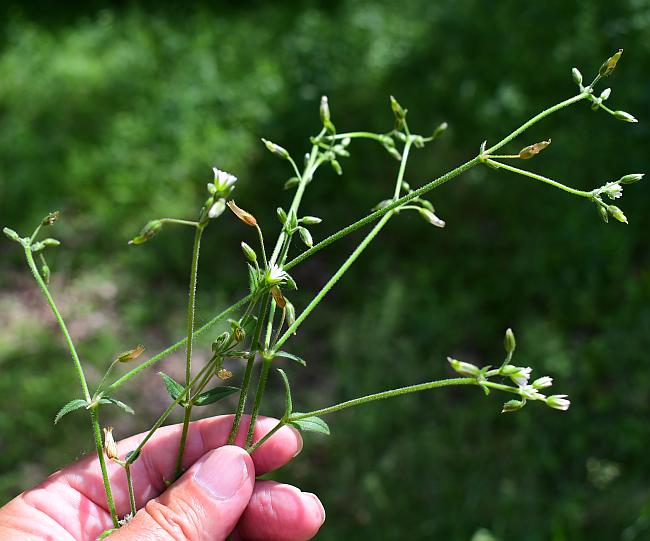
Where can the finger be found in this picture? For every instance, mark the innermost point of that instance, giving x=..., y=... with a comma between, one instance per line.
x=279, y=512
x=203, y=505
x=156, y=466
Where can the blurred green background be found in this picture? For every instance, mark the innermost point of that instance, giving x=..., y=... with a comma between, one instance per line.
x=116, y=114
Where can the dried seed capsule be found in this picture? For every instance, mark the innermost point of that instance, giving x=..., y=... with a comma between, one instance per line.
x=110, y=447
x=577, y=76
x=150, y=230
x=131, y=354
x=608, y=66
x=244, y=216
x=224, y=374
x=51, y=218
x=532, y=150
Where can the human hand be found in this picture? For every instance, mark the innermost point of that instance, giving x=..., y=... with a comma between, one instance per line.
x=218, y=494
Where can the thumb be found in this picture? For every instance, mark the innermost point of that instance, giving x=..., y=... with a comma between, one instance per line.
x=204, y=504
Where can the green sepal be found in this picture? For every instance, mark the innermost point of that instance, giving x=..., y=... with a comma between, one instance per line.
x=253, y=278
x=118, y=403
x=213, y=395
x=132, y=456
x=310, y=424
x=75, y=404
x=288, y=404
x=287, y=355
x=174, y=388
x=305, y=236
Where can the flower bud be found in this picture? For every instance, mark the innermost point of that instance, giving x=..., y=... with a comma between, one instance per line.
x=131, y=354
x=337, y=167
x=290, y=313
x=45, y=273
x=310, y=220
x=626, y=117
x=509, y=342
x=305, y=236
x=631, y=179
x=398, y=110
x=605, y=94
x=558, y=402
x=110, y=447
x=602, y=211
x=276, y=149
x=217, y=208
x=442, y=128
x=518, y=374
x=608, y=66
x=51, y=218
x=244, y=216
x=282, y=215
x=394, y=153
x=293, y=181
x=150, y=230
x=617, y=213
x=11, y=234
x=463, y=368
x=513, y=405
x=324, y=110
x=543, y=382
x=431, y=217
x=249, y=252
x=577, y=76
x=51, y=242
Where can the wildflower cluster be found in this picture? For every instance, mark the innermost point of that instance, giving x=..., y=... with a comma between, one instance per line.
x=261, y=323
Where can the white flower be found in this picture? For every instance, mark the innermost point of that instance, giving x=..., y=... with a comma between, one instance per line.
x=275, y=275
x=558, y=402
x=530, y=392
x=223, y=181
x=614, y=191
x=541, y=383
x=521, y=376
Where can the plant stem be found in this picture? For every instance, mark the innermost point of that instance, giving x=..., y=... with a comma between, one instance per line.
x=386, y=394
x=179, y=222
x=60, y=321
x=94, y=418
x=191, y=305
x=251, y=448
x=259, y=393
x=541, y=178
x=129, y=482
x=243, y=394
x=536, y=119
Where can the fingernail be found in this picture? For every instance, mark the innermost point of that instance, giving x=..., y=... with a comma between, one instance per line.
x=318, y=507
x=299, y=441
x=223, y=472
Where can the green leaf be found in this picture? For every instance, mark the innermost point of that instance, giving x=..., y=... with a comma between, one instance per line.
x=119, y=404
x=310, y=424
x=288, y=405
x=291, y=356
x=105, y=534
x=174, y=388
x=214, y=395
x=252, y=278
x=70, y=406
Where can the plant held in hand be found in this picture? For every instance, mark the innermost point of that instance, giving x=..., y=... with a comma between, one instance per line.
x=262, y=323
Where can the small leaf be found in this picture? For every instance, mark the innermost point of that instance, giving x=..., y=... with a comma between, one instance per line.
x=288, y=405
x=118, y=403
x=305, y=236
x=213, y=395
x=310, y=424
x=70, y=406
x=105, y=534
x=287, y=355
x=174, y=388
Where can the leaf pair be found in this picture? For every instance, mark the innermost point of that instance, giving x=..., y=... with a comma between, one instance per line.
x=78, y=403
x=306, y=424
x=211, y=396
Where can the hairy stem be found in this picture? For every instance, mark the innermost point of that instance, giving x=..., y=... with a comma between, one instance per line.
x=129, y=482
x=94, y=418
x=541, y=178
x=259, y=393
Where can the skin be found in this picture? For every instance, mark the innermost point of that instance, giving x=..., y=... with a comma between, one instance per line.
x=217, y=495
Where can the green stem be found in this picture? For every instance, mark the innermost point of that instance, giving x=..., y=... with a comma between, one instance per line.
x=243, y=394
x=541, y=178
x=59, y=319
x=251, y=449
x=259, y=393
x=536, y=119
x=386, y=394
x=94, y=418
x=191, y=305
x=129, y=482
x=174, y=347
x=352, y=258
x=179, y=222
